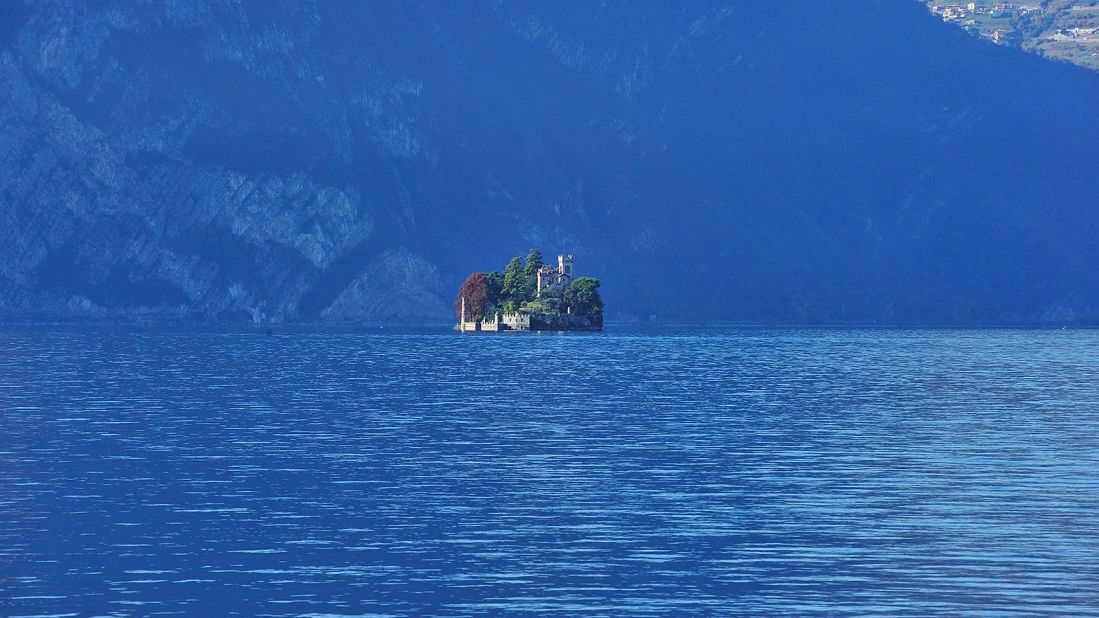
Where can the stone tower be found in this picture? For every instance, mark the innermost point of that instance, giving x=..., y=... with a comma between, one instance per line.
x=564, y=266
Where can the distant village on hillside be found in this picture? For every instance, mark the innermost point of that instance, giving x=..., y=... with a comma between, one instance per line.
x=1058, y=29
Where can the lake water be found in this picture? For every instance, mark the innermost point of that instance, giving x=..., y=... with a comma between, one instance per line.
x=632, y=472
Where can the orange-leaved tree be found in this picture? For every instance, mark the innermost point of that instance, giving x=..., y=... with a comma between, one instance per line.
x=475, y=290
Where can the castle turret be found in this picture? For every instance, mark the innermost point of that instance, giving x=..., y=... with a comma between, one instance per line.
x=564, y=266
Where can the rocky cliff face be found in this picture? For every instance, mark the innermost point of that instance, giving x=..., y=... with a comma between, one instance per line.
x=269, y=161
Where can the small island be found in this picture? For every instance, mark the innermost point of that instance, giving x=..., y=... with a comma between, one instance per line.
x=529, y=296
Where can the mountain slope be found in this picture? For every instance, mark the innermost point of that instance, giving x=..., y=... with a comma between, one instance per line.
x=1065, y=30
x=352, y=162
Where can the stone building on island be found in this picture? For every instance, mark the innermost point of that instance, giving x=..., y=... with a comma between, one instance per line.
x=545, y=309
x=552, y=279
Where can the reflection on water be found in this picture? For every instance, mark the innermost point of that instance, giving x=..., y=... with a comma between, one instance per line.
x=728, y=471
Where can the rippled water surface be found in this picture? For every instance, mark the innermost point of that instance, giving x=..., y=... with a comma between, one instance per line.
x=714, y=471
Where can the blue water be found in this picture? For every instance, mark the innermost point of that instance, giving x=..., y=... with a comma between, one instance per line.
x=633, y=472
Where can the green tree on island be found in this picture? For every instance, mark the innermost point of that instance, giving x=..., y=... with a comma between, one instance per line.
x=495, y=282
x=515, y=283
x=582, y=297
x=534, y=262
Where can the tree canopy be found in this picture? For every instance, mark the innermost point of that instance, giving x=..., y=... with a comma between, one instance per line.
x=582, y=296
x=534, y=262
x=515, y=281
x=475, y=291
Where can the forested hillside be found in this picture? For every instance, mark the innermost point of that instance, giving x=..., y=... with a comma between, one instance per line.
x=845, y=162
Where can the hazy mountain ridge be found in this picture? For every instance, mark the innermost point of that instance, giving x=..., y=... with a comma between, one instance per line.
x=270, y=162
